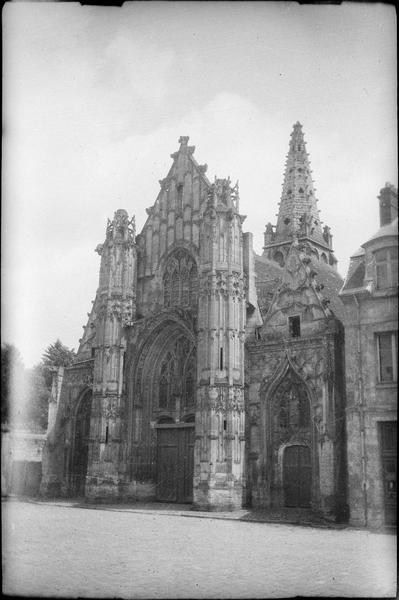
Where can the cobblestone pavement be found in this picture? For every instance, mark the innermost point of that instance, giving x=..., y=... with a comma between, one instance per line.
x=62, y=550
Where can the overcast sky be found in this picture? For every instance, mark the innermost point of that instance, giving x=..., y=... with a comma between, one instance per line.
x=95, y=99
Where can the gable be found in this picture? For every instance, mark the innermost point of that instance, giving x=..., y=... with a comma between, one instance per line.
x=297, y=295
x=175, y=217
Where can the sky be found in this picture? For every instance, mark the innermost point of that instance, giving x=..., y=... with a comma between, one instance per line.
x=96, y=98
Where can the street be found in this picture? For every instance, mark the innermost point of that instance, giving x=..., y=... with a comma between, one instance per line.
x=56, y=550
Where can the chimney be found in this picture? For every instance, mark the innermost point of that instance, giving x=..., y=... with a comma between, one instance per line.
x=388, y=204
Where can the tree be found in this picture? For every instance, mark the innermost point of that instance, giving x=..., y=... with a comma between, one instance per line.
x=25, y=392
x=12, y=383
x=55, y=355
x=58, y=355
x=36, y=413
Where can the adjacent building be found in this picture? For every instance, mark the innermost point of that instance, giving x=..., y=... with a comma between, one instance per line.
x=370, y=295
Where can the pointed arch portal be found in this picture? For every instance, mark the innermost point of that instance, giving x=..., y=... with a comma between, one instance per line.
x=163, y=400
x=289, y=454
x=80, y=452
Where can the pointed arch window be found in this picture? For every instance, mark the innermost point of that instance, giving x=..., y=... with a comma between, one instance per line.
x=177, y=376
x=189, y=381
x=291, y=405
x=180, y=280
x=180, y=198
x=167, y=382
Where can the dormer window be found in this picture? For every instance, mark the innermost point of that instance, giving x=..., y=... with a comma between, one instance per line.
x=386, y=261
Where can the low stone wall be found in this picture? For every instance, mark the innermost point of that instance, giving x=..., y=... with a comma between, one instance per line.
x=21, y=462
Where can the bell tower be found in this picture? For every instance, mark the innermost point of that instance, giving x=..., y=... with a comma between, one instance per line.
x=298, y=215
x=116, y=307
x=219, y=444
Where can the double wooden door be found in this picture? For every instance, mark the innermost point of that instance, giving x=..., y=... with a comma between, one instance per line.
x=297, y=476
x=175, y=464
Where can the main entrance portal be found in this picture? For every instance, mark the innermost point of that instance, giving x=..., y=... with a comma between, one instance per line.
x=175, y=463
x=297, y=476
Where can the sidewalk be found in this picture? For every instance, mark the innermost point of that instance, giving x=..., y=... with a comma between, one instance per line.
x=287, y=516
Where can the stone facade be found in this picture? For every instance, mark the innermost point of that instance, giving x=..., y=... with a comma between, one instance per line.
x=206, y=373
x=371, y=298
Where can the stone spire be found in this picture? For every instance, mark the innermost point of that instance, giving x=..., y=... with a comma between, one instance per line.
x=298, y=206
x=298, y=216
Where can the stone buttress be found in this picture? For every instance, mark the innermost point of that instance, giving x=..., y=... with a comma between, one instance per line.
x=115, y=309
x=219, y=444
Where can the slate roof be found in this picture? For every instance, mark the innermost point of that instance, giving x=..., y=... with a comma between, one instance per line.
x=391, y=229
x=332, y=282
x=268, y=271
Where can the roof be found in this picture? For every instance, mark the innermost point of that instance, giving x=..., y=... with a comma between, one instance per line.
x=332, y=282
x=267, y=271
x=359, y=252
x=385, y=231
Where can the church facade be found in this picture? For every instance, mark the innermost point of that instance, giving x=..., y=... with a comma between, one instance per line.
x=207, y=373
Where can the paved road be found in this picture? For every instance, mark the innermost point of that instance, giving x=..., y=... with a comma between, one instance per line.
x=62, y=551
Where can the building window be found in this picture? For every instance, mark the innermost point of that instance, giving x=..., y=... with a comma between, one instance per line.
x=294, y=326
x=387, y=356
x=167, y=383
x=180, y=198
x=180, y=280
x=291, y=405
x=278, y=257
x=386, y=267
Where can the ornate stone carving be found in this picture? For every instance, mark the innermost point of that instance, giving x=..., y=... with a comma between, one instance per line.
x=110, y=408
x=79, y=376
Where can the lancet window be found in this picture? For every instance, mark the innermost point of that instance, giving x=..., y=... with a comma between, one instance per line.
x=189, y=380
x=291, y=405
x=177, y=376
x=167, y=383
x=180, y=281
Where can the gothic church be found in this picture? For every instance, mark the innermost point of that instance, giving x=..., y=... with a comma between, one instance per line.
x=207, y=374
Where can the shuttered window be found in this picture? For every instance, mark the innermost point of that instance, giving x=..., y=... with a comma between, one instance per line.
x=387, y=356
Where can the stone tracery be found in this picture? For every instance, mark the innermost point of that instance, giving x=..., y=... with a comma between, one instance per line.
x=180, y=280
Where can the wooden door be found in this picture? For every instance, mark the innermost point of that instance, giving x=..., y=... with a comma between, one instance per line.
x=297, y=475
x=175, y=464
x=167, y=465
x=388, y=458
x=81, y=447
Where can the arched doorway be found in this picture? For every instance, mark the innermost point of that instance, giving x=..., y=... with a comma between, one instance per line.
x=81, y=445
x=297, y=475
x=175, y=374
x=292, y=466
x=163, y=408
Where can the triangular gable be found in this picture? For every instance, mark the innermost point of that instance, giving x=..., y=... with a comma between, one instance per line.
x=298, y=292
x=185, y=187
